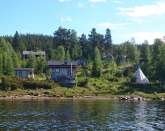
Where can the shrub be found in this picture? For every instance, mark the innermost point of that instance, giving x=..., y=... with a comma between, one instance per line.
x=36, y=84
x=10, y=83
x=5, y=84
x=148, y=88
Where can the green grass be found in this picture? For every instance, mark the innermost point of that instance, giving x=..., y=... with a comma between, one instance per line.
x=156, y=96
x=106, y=85
x=75, y=92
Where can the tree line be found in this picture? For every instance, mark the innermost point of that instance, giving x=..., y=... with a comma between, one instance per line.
x=94, y=48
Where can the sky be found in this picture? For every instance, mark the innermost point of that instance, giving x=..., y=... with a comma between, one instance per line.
x=139, y=19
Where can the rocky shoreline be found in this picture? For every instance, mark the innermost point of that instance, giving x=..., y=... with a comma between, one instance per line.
x=115, y=97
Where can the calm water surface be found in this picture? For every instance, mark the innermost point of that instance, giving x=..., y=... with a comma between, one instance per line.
x=82, y=115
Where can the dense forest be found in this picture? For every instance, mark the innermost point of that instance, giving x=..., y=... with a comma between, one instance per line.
x=97, y=50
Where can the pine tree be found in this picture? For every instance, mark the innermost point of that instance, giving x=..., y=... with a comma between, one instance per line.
x=146, y=58
x=84, y=46
x=107, y=48
x=162, y=64
x=16, y=41
x=131, y=51
x=31, y=62
x=60, y=53
x=5, y=62
x=97, y=63
x=1, y=64
x=65, y=37
x=158, y=59
x=41, y=65
x=108, y=41
x=67, y=56
x=112, y=67
x=9, y=58
x=93, y=38
x=76, y=51
x=9, y=66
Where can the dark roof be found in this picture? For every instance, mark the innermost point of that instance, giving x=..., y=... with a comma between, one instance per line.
x=107, y=55
x=24, y=69
x=62, y=63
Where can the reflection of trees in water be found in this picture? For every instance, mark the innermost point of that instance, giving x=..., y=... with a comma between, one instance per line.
x=92, y=110
x=94, y=114
x=122, y=115
x=150, y=115
x=140, y=114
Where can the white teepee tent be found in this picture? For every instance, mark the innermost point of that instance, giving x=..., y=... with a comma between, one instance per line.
x=140, y=77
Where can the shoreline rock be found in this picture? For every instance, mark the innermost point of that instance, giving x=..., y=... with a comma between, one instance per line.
x=131, y=98
x=110, y=97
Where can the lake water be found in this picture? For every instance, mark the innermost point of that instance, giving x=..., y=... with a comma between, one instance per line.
x=82, y=115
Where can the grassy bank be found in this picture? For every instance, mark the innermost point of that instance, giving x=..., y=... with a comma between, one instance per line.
x=77, y=92
x=95, y=87
x=73, y=93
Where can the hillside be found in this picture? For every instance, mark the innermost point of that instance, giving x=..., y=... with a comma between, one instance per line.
x=108, y=68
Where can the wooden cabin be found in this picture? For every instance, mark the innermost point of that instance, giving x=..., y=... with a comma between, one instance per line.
x=24, y=73
x=64, y=72
x=27, y=54
x=121, y=59
x=107, y=56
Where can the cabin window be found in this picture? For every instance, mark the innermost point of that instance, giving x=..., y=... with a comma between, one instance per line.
x=57, y=70
x=69, y=73
x=20, y=73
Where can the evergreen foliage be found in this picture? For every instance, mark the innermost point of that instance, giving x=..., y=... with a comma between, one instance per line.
x=8, y=58
x=146, y=59
x=97, y=63
x=67, y=56
x=59, y=53
x=92, y=48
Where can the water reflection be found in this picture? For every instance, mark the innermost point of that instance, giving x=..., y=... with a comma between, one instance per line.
x=82, y=114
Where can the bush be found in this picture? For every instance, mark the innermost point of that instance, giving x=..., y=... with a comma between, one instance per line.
x=36, y=84
x=148, y=88
x=10, y=83
x=5, y=84
x=83, y=83
x=113, y=79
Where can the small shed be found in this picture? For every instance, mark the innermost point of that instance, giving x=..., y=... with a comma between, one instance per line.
x=121, y=59
x=107, y=56
x=27, y=54
x=24, y=73
x=64, y=72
